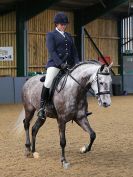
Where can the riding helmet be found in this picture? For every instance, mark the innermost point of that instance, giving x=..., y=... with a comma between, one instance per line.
x=61, y=18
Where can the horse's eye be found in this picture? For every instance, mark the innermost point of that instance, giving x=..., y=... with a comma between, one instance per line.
x=101, y=83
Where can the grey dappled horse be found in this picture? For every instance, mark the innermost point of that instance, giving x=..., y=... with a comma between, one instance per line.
x=69, y=104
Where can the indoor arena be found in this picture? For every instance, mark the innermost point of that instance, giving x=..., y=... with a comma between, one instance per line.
x=77, y=118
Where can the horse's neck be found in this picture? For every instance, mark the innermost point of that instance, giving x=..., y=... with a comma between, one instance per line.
x=85, y=71
x=83, y=74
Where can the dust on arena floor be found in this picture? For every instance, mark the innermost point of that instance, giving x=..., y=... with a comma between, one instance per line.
x=111, y=155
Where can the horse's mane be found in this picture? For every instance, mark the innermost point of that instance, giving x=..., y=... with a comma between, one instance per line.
x=95, y=62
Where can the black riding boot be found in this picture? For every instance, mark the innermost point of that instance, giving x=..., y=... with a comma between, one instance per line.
x=43, y=102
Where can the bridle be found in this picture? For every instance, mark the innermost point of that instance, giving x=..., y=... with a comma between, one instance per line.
x=98, y=84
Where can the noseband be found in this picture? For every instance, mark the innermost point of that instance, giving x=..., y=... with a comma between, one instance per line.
x=96, y=79
x=98, y=84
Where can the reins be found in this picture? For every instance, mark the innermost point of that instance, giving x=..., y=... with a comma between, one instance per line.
x=65, y=80
x=84, y=88
x=88, y=87
x=63, y=83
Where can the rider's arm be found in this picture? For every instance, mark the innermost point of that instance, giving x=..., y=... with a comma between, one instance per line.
x=75, y=54
x=74, y=51
x=50, y=43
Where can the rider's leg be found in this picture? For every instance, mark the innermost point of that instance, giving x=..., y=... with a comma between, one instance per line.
x=50, y=75
x=43, y=101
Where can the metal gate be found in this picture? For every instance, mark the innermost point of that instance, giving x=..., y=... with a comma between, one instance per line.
x=127, y=54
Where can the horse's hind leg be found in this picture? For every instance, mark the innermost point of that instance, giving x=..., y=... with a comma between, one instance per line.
x=62, y=128
x=39, y=122
x=86, y=126
x=29, y=113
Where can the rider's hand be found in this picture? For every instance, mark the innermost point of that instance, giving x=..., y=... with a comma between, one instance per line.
x=64, y=66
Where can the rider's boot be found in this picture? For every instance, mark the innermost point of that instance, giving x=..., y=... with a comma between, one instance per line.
x=43, y=102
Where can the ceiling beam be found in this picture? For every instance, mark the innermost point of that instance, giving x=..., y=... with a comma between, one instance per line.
x=6, y=8
x=32, y=8
x=73, y=3
x=90, y=13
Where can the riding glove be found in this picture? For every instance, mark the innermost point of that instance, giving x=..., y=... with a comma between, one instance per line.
x=64, y=66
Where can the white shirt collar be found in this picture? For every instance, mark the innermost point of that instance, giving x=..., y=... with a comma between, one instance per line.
x=61, y=32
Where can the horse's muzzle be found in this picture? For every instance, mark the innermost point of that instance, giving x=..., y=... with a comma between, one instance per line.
x=105, y=104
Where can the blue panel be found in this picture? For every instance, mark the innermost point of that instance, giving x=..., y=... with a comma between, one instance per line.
x=116, y=85
x=6, y=90
x=128, y=83
x=128, y=73
x=18, y=84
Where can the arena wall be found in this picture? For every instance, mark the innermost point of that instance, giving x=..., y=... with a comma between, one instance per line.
x=103, y=31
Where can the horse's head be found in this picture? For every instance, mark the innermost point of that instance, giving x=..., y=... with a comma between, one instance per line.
x=101, y=85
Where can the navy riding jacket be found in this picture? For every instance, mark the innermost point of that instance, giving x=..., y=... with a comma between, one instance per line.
x=60, y=49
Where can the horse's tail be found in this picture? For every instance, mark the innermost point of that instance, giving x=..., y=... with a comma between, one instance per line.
x=18, y=127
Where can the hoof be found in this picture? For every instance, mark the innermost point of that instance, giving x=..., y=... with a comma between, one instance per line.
x=36, y=155
x=66, y=165
x=28, y=154
x=83, y=149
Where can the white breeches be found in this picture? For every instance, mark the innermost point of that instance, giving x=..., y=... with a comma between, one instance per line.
x=50, y=75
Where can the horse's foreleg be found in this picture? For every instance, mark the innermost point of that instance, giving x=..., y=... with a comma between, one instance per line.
x=39, y=122
x=26, y=122
x=62, y=128
x=86, y=127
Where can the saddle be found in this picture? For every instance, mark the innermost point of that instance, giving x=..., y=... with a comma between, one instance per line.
x=55, y=83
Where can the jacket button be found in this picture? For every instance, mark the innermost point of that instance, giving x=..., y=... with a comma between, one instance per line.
x=66, y=53
x=66, y=49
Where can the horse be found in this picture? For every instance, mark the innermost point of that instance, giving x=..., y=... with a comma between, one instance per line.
x=69, y=102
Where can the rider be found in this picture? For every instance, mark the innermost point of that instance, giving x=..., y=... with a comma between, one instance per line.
x=62, y=52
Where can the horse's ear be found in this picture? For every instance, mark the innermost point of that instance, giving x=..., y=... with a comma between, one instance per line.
x=102, y=67
x=111, y=64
